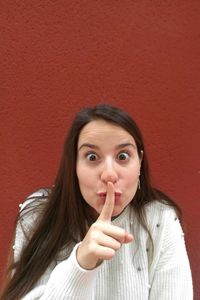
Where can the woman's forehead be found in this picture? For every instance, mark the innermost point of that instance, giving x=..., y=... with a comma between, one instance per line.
x=100, y=131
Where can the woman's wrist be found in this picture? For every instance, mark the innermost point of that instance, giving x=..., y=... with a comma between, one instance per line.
x=86, y=261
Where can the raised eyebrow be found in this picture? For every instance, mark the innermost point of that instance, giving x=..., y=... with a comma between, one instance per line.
x=88, y=145
x=92, y=146
x=125, y=145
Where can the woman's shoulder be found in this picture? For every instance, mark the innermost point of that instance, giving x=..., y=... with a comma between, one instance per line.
x=35, y=198
x=34, y=202
x=31, y=209
x=29, y=215
x=159, y=211
x=159, y=206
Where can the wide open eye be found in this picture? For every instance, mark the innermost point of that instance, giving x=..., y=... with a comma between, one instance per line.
x=91, y=156
x=123, y=156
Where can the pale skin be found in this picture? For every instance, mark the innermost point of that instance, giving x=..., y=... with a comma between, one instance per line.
x=108, y=163
x=102, y=239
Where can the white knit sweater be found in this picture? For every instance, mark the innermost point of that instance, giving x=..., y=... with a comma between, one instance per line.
x=135, y=273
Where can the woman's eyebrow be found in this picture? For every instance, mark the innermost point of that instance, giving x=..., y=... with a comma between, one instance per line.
x=92, y=146
x=125, y=145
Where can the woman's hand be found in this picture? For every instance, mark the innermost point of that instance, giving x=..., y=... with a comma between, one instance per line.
x=102, y=239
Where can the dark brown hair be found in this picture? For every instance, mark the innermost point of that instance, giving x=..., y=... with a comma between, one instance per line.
x=64, y=216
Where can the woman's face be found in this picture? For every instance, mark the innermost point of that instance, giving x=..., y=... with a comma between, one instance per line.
x=107, y=152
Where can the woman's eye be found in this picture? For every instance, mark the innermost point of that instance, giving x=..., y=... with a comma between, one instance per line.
x=91, y=157
x=123, y=156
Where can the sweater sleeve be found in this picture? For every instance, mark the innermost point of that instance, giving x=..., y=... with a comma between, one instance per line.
x=67, y=281
x=172, y=278
x=63, y=279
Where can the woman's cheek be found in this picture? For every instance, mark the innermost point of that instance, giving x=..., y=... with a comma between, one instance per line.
x=88, y=178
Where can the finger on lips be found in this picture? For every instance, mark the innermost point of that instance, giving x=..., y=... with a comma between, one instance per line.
x=115, y=232
x=103, y=237
x=107, y=210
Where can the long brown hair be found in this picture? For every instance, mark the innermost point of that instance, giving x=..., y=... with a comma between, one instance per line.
x=64, y=216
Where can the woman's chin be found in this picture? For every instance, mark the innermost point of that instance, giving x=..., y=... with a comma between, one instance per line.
x=117, y=211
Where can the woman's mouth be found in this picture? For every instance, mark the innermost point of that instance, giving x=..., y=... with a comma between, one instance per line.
x=103, y=195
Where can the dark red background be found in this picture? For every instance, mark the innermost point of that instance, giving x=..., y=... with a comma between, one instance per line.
x=58, y=56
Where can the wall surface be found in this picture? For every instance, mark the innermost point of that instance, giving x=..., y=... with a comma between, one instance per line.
x=59, y=56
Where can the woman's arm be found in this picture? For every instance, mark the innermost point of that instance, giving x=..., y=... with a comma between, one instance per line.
x=171, y=278
x=66, y=281
x=61, y=280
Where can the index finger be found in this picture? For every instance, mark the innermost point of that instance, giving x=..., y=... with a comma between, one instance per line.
x=109, y=204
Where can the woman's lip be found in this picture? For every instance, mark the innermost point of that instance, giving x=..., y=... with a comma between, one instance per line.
x=103, y=194
x=117, y=196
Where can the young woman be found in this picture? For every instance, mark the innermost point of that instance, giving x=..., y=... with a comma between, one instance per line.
x=102, y=231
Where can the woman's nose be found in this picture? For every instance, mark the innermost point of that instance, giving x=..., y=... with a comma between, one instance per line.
x=109, y=173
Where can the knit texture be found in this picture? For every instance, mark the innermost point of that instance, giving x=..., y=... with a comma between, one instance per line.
x=137, y=271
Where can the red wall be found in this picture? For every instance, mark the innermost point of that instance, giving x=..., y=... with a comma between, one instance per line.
x=58, y=56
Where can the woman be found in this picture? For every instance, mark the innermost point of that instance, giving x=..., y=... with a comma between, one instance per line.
x=102, y=231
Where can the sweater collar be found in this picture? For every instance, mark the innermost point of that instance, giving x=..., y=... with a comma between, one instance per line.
x=124, y=216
